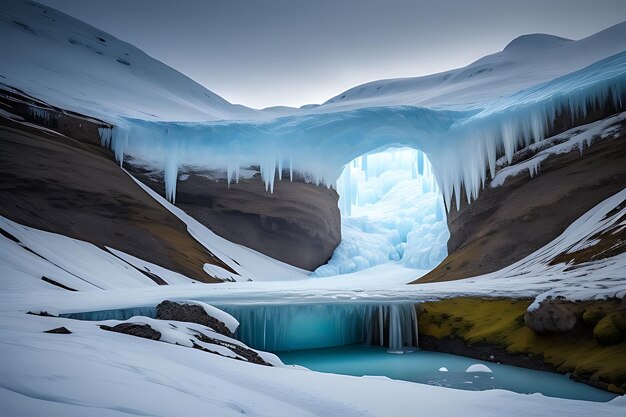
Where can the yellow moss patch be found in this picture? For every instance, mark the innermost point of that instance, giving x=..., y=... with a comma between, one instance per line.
x=500, y=322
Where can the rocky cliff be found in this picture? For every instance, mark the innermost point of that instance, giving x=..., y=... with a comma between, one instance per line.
x=299, y=223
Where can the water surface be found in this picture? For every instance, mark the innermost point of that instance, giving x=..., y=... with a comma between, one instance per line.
x=423, y=367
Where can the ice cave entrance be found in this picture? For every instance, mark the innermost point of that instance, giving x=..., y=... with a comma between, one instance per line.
x=391, y=211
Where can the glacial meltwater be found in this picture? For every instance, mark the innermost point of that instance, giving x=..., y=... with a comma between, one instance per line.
x=424, y=367
x=365, y=338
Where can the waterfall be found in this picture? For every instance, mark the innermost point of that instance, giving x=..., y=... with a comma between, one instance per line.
x=283, y=327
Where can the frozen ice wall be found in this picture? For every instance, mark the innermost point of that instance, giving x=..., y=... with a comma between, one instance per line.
x=392, y=210
x=463, y=142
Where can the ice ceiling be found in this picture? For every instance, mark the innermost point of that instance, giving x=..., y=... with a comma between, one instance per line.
x=462, y=142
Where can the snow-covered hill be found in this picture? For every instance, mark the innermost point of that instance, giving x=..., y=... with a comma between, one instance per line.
x=74, y=66
x=526, y=61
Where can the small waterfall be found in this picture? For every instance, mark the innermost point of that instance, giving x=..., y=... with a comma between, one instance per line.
x=286, y=327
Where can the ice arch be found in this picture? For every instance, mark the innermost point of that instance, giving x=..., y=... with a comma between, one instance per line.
x=391, y=211
x=462, y=141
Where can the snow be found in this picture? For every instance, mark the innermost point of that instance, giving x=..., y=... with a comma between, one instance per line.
x=74, y=263
x=576, y=138
x=77, y=67
x=171, y=277
x=528, y=60
x=478, y=367
x=532, y=276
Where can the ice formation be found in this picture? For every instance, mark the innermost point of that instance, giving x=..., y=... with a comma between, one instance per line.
x=463, y=119
x=391, y=210
x=281, y=327
x=479, y=367
x=462, y=144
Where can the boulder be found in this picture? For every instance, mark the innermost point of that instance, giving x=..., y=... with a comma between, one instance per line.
x=554, y=316
x=192, y=313
x=59, y=330
x=139, y=330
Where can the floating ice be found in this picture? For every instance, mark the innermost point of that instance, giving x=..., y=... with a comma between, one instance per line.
x=443, y=369
x=478, y=367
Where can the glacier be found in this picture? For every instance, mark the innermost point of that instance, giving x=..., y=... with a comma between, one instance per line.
x=462, y=143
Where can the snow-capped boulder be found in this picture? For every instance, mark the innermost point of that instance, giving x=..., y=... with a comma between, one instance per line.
x=196, y=312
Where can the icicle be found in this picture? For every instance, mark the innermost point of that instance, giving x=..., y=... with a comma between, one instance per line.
x=381, y=326
x=420, y=162
x=171, y=176
x=395, y=330
x=229, y=175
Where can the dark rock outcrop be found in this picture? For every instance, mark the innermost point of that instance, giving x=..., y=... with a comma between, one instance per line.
x=133, y=329
x=246, y=353
x=299, y=223
x=169, y=310
x=554, y=316
x=59, y=330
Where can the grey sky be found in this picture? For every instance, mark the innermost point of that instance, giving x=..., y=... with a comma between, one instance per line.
x=294, y=52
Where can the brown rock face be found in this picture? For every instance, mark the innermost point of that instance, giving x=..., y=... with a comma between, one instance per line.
x=299, y=223
x=505, y=224
x=554, y=316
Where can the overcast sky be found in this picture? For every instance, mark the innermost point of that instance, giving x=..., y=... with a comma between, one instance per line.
x=293, y=52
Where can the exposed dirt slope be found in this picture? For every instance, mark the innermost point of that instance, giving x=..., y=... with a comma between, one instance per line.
x=68, y=184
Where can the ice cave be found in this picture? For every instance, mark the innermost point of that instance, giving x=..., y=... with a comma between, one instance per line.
x=391, y=211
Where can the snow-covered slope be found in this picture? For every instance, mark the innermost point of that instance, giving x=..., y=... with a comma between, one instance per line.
x=526, y=61
x=77, y=67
